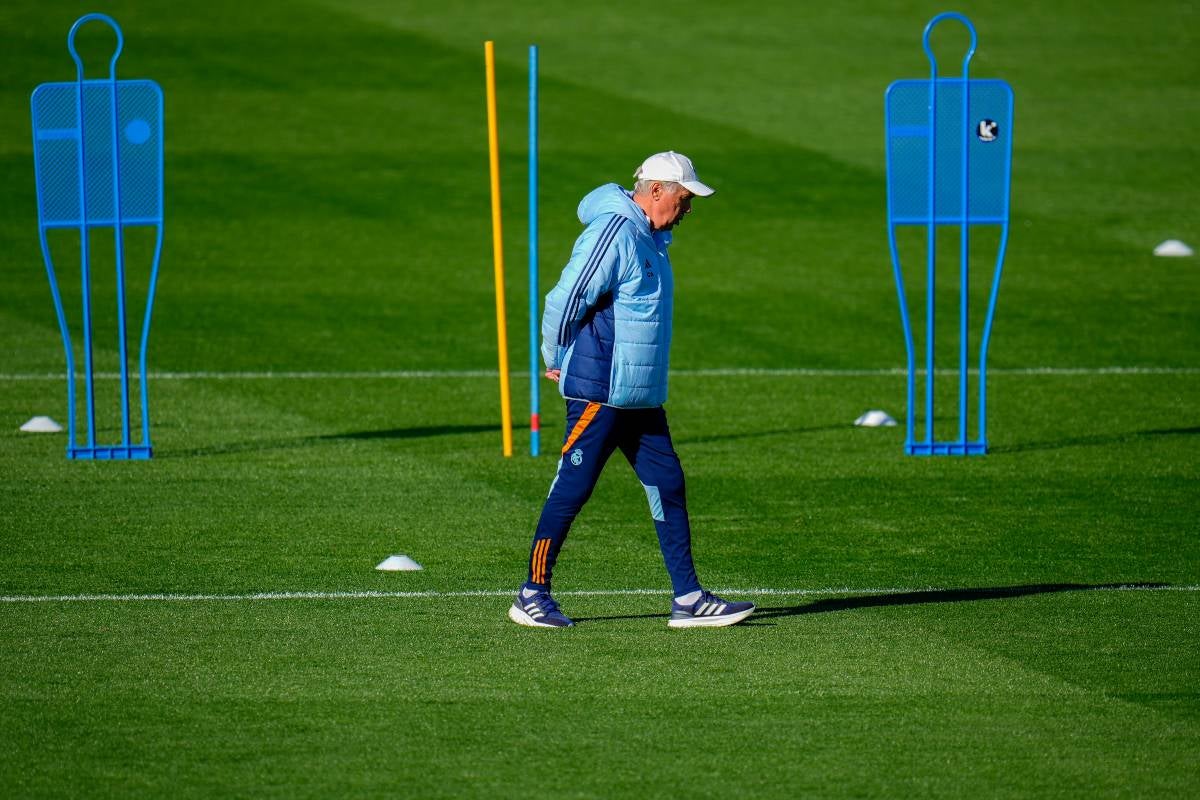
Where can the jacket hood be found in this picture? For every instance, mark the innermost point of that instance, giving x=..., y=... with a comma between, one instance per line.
x=612, y=198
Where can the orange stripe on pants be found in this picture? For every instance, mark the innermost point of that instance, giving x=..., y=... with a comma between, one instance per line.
x=585, y=419
x=540, y=555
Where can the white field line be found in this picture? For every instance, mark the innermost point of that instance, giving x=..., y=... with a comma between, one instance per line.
x=436, y=595
x=717, y=372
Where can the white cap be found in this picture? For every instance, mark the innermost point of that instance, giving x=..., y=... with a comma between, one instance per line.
x=672, y=166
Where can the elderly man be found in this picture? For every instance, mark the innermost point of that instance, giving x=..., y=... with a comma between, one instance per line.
x=606, y=333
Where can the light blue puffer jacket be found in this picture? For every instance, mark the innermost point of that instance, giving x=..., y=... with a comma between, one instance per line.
x=607, y=324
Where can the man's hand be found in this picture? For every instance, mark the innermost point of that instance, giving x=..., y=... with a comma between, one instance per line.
x=553, y=374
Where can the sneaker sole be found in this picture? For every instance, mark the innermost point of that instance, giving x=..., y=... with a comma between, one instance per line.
x=710, y=622
x=521, y=618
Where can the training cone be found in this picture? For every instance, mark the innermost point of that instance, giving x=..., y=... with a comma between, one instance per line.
x=875, y=419
x=41, y=425
x=398, y=564
x=1173, y=247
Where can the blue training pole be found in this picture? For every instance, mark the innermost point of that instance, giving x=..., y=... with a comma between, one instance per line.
x=534, y=356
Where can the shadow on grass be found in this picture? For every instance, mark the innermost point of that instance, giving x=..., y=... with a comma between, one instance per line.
x=839, y=426
x=760, y=434
x=826, y=605
x=940, y=596
x=299, y=442
x=419, y=432
x=1093, y=441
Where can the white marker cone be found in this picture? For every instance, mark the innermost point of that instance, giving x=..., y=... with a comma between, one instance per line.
x=875, y=419
x=41, y=425
x=1173, y=247
x=398, y=564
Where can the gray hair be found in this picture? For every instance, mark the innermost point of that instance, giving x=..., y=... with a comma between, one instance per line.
x=643, y=186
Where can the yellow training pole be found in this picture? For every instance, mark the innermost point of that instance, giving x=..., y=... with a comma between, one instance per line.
x=498, y=248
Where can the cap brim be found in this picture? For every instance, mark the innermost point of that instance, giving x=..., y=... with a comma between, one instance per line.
x=697, y=188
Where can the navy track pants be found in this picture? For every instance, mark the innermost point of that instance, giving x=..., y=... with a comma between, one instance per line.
x=593, y=432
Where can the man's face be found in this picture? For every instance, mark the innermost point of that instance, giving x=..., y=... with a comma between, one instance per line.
x=668, y=208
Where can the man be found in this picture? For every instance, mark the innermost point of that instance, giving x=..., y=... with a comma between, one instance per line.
x=606, y=333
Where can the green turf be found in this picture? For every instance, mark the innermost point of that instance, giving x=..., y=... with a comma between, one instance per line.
x=945, y=627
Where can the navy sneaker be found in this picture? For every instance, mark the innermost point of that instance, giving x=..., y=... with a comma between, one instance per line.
x=537, y=610
x=709, y=611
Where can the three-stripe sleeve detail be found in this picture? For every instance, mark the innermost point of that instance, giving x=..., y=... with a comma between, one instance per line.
x=571, y=306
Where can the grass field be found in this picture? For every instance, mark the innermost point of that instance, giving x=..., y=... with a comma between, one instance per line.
x=210, y=623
